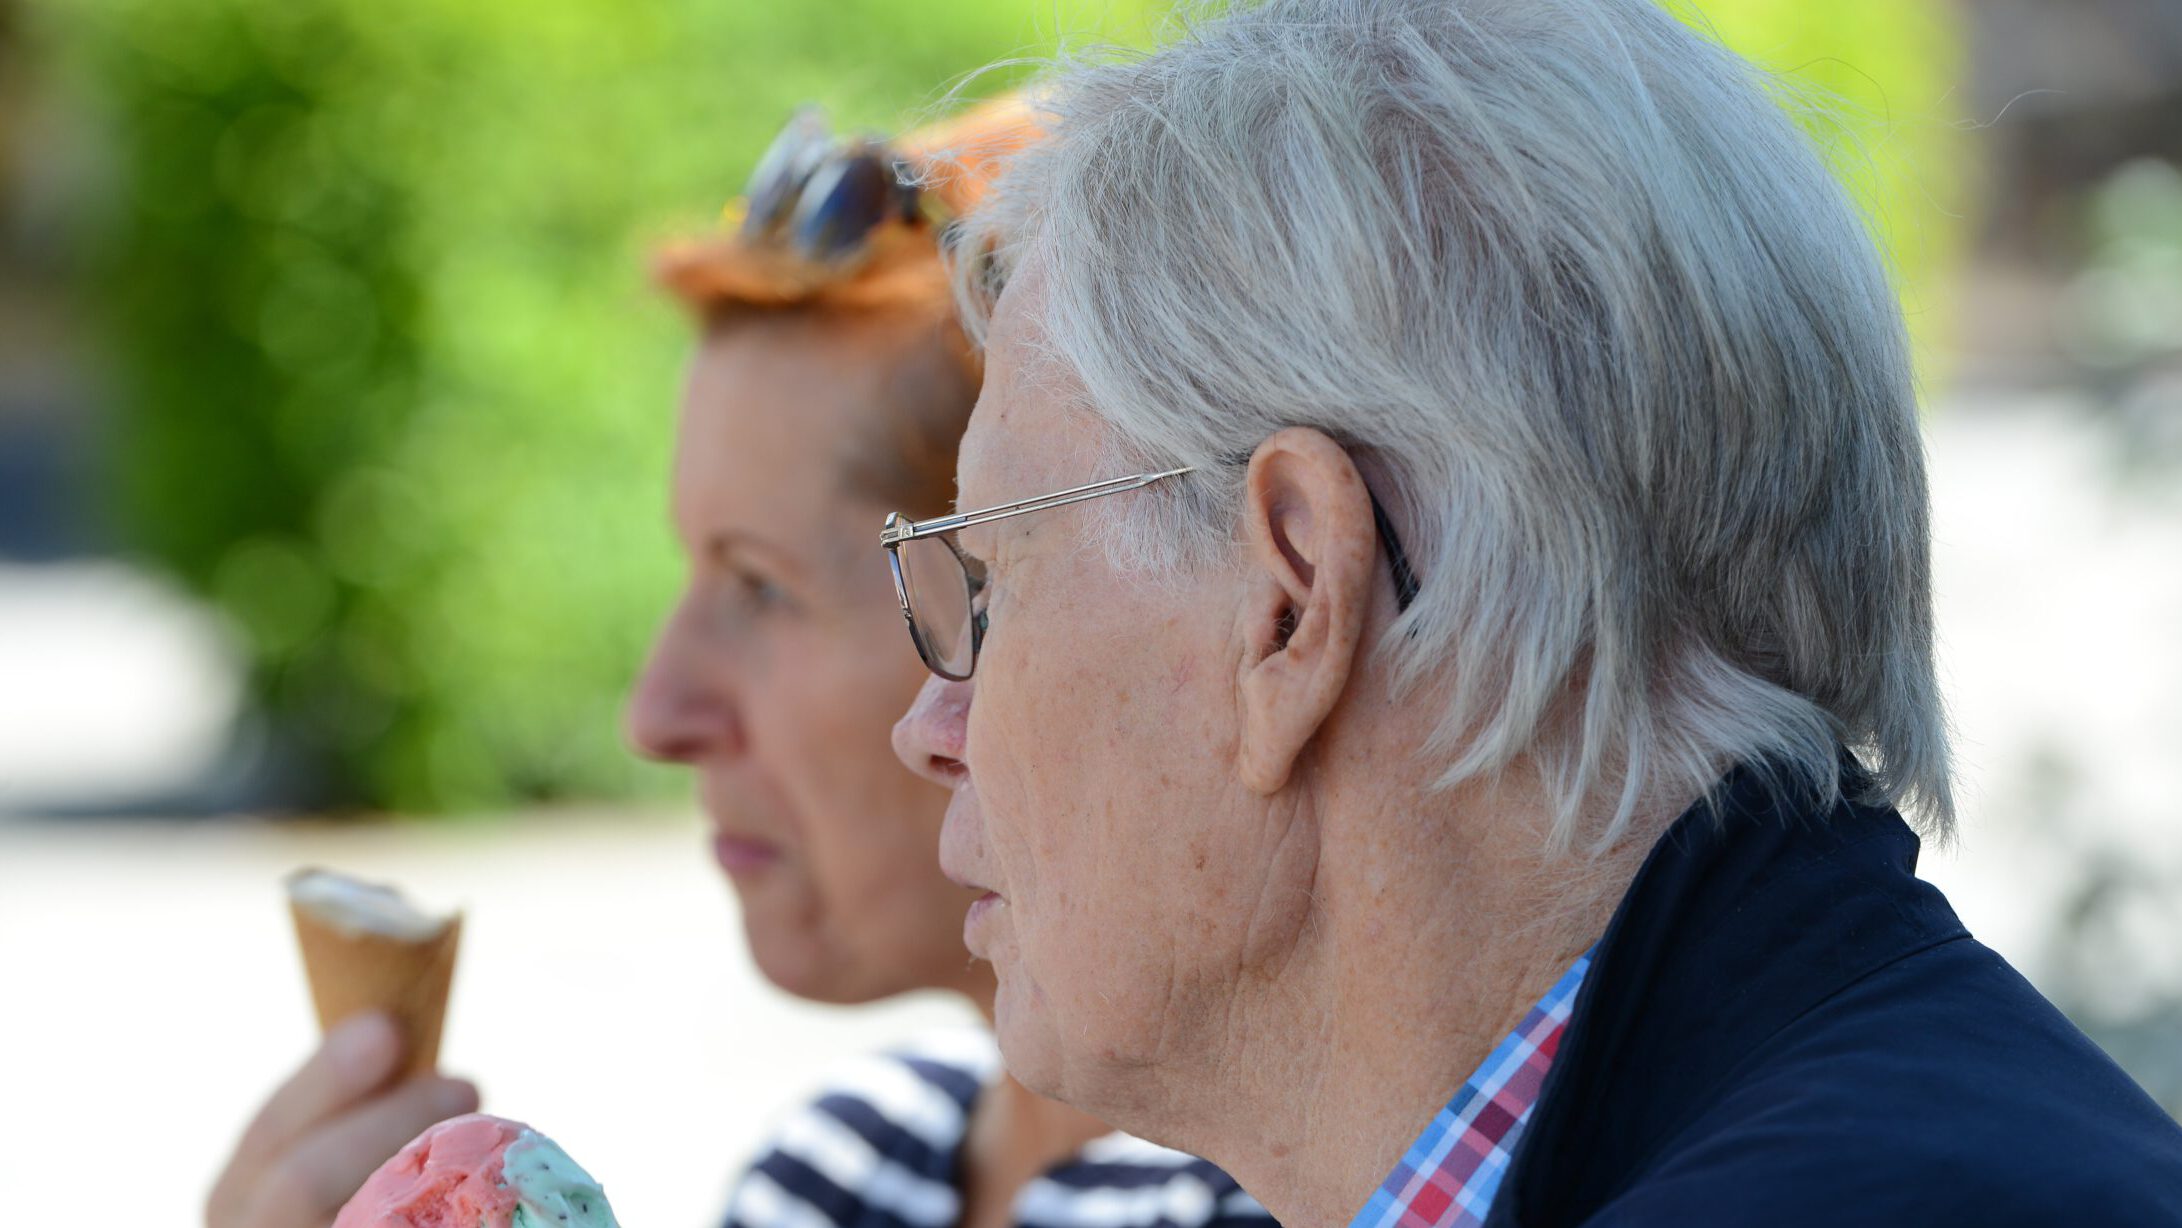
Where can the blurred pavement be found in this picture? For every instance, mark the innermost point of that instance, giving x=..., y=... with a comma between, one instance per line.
x=153, y=996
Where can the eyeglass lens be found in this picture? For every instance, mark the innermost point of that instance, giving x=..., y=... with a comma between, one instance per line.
x=938, y=586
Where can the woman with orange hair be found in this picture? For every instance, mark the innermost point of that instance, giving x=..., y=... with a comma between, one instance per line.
x=830, y=386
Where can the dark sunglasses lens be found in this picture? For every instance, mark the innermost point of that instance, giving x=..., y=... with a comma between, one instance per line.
x=841, y=204
x=782, y=170
x=939, y=604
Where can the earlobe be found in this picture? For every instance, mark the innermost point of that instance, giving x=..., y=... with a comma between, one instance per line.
x=1310, y=550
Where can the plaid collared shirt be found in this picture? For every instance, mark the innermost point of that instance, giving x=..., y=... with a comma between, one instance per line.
x=1450, y=1174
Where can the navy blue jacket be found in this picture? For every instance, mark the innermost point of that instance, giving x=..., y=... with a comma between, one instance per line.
x=1784, y=1026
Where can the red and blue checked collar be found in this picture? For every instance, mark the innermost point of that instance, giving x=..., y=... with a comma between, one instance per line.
x=1450, y=1174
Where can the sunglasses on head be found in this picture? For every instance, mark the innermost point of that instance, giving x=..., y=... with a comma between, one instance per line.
x=821, y=197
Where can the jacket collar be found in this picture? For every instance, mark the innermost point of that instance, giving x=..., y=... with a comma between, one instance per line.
x=1748, y=912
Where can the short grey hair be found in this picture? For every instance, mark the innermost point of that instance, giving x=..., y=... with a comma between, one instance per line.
x=1601, y=330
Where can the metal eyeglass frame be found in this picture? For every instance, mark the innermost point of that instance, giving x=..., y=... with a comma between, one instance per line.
x=900, y=529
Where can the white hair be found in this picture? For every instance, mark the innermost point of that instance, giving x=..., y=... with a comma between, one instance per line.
x=1601, y=331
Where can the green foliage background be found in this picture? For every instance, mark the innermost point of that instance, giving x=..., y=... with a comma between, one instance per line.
x=388, y=385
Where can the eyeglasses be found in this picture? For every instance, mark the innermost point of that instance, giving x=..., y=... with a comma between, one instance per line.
x=821, y=197
x=941, y=589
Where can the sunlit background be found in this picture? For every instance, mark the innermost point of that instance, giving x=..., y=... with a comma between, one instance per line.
x=334, y=414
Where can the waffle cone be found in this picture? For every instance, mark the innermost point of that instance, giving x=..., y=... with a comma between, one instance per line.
x=351, y=972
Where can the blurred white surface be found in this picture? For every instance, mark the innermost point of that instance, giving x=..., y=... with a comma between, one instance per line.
x=113, y=687
x=153, y=996
x=2058, y=575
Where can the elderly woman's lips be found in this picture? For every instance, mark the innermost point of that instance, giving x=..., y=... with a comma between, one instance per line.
x=741, y=856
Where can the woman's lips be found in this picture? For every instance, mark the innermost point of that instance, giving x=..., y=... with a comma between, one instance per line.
x=980, y=908
x=742, y=856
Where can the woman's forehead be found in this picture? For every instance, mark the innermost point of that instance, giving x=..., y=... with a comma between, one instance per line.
x=753, y=434
x=763, y=446
x=811, y=362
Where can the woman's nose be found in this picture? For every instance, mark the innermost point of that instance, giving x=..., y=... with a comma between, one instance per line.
x=679, y=712
x=930, y=736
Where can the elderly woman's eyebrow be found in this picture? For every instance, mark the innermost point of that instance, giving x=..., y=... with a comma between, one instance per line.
x=725, y=546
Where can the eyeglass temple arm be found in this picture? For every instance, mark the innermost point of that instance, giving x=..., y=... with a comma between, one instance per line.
x=909, y=529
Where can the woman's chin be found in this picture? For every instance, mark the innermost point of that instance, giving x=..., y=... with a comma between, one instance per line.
x=802, y=956
x=808, y=968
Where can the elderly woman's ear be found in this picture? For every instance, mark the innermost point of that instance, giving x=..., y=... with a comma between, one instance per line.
x=1309, y=555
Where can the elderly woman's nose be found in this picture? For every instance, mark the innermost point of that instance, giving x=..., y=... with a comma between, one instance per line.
x=929, y=737
x=678, y=713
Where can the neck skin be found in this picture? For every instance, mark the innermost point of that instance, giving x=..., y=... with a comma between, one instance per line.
x=1435, y=923
x=1015, y=1136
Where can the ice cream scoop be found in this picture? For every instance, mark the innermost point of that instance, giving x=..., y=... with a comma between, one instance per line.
x=479, y=1172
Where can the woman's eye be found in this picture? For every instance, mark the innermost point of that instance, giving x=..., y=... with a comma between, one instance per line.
x=750, y=595
x=762, y=593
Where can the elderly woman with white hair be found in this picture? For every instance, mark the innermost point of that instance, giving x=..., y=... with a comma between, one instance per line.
x=1442, y=753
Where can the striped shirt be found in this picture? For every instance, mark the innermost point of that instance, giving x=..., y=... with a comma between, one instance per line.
x=1450, y=1174
x=881, y=1145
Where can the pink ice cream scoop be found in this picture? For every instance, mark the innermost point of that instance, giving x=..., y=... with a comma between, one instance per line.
x=479, y=1172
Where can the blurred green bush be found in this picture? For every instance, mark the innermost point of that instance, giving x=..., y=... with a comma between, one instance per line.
x=389, y=386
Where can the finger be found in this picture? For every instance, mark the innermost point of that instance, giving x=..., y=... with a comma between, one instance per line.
x=358, y=1058
x=308, y=1184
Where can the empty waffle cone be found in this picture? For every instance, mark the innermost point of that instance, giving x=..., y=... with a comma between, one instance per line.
x=366, y=948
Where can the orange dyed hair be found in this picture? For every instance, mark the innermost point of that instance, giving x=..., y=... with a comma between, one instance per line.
x=722, y=279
